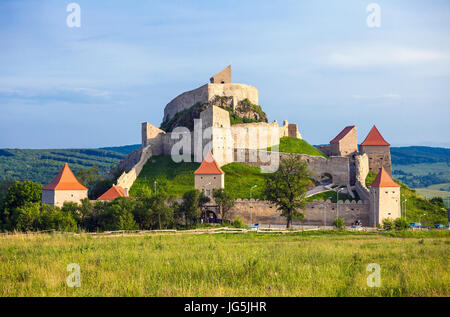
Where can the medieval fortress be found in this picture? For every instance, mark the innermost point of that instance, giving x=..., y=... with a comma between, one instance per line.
x=206, y=113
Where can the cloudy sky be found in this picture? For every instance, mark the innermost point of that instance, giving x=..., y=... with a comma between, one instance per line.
x=315, y=63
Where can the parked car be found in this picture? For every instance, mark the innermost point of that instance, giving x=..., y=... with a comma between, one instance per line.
x=447, y=227
x=415, y=224
x=438, y=226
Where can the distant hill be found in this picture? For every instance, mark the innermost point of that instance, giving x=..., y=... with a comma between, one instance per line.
x=41, y=166
x=416, y=166
x=419, y=154
x=125, y=149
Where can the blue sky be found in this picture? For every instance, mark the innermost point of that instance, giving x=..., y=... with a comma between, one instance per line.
x=315, y=63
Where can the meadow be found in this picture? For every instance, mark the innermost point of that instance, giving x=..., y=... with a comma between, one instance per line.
x=252, y=264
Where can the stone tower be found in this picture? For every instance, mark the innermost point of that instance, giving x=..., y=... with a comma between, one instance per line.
x=209, y=176
x=384, y=198
x=223, y=77
x=378, y=151
x=64, y=187
x=345, y=143
x=217, y=135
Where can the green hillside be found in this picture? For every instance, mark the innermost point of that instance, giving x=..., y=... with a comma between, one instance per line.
x=293, y=145
x=419, y=154
x=41, y=166
x=438, y=190
x=124, y=149
x=177, y=178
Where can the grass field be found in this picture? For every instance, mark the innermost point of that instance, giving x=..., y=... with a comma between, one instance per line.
x=314, y=264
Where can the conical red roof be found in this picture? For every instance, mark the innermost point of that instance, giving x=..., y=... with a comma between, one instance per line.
x=65, y=180
x=209, y=166
x=384, y=180
x=374, y=138
x=113, y=193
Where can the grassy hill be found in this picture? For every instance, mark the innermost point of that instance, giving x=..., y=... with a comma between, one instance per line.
x=177, y=178
x=293, y=145
x=421, y=166
x=438, y=190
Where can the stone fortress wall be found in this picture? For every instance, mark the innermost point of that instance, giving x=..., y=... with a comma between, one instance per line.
x=128, y=177
x=361, y=171
x=219, y=136
x=206, y=93
x=337, y=167
x=316, y=212
x=246, y=143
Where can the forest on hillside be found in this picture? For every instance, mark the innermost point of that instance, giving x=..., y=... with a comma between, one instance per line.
x=416, y=166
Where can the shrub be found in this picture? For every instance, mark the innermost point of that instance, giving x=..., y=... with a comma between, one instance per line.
x=238, y=223
x=401, y=224
x=388, y=224
x=339, y=223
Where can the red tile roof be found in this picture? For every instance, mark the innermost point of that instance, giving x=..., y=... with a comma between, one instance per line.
x=65, y=180
x=374, y=138
x=113, y=193
x=342, y=134
x=209, y=166
x=384, y=180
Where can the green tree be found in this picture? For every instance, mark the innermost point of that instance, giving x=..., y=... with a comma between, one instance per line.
x=116, y=214
x=18, y=195
x=224, y=200
x=88, y=176
x=401, y=224
x=339, y=223
x=27, y=217
x=192, y=204
x=287, y=187
x=438, y=201
x=22, y=192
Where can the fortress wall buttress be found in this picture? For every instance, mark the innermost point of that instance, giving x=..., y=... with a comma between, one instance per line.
x=361, y=171
x=152, y=135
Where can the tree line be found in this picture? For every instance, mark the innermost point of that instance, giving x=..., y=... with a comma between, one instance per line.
x=21, y=208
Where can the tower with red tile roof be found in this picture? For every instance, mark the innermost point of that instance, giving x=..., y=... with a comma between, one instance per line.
x=378, y=151
x=384, y=198
x=209, y=176
x=64, y=187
